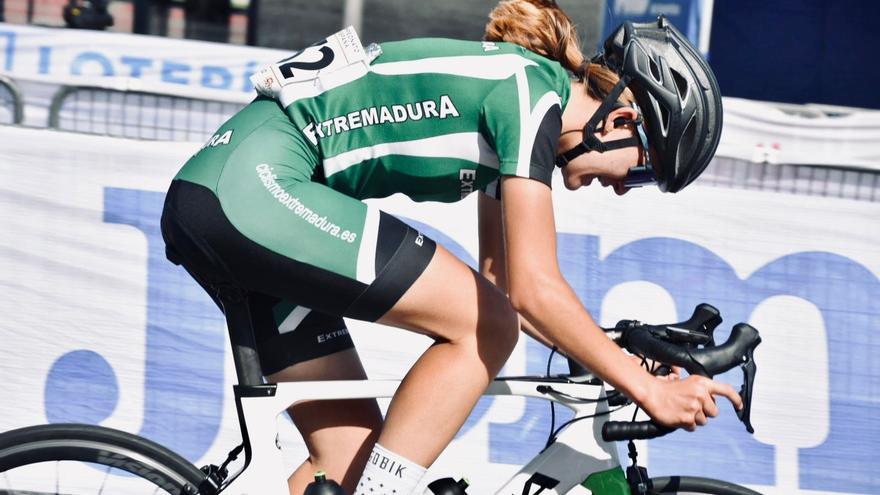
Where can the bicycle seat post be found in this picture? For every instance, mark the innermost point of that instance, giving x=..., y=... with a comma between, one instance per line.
x=241, y=335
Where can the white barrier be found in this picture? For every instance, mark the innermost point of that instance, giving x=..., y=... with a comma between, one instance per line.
x=800, y=134
x=96, y=326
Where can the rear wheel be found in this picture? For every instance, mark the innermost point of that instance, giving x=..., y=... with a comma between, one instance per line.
x=693, y=485
x=68, y=459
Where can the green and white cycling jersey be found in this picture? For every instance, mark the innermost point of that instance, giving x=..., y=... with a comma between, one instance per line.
x=272, y=202
x=436, y=119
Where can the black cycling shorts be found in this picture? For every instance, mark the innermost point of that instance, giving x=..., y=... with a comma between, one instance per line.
x=297, y=305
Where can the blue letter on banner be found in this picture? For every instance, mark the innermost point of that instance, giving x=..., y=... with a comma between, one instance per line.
x=85, y=57
x=9, y=51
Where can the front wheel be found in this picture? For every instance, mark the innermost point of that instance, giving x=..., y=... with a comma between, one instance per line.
x=85, y=459
x=683, y=485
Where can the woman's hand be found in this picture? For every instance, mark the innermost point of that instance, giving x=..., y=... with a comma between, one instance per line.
x=687, y=403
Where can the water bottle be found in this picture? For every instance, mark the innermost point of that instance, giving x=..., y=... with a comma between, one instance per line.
x=323, y=486
x=447, y=486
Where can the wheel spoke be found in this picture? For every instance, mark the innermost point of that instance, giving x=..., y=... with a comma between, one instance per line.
x=8, y=484
x=104, y=481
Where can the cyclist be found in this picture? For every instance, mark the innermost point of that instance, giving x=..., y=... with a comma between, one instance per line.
x=273, y=205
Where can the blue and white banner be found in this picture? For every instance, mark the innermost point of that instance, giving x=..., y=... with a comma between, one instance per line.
x=96, y=326
x=37, y=52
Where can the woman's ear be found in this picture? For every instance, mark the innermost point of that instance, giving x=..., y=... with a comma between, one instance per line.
x=621, y=117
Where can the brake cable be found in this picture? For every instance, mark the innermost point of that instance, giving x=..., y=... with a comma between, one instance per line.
x=547, y=389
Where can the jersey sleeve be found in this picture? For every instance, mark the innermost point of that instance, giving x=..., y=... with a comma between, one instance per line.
x=522, y=118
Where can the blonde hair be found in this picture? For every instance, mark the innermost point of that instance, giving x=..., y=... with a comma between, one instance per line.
x=542, y=27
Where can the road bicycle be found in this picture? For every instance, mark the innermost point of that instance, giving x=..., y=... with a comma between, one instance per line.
x=580, y=457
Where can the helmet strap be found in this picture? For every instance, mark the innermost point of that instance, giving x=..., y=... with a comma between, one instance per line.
x=591, y=142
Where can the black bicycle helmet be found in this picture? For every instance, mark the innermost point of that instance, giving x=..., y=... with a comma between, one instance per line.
x=678, y=98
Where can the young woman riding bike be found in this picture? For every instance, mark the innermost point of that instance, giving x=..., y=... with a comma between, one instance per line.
x=274, y=207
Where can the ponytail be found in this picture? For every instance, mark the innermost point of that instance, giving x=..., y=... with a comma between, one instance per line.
x=542, y=27
x=600, y=80
x=539, y=26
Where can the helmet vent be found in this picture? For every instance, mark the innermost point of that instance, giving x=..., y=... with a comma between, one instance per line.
x=681, y=85
x=655, y=70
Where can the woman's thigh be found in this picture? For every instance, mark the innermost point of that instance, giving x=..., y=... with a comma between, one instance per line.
x=451, y=302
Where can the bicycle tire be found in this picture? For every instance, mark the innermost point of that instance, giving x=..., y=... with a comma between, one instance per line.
x=114, y=449
x=667, y=485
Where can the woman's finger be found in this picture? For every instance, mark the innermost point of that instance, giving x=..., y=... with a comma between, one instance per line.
x=726, y=390
x=710, y=409
x=701, y=418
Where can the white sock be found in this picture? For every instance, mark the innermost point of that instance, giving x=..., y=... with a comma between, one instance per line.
x=389, y=474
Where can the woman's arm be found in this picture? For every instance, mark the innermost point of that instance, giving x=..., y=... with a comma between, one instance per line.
x=492, y=258
x=539, y=293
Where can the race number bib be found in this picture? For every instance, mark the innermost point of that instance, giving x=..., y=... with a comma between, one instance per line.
x=331, y=62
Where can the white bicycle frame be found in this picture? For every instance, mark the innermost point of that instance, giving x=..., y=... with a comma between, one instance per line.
x=577, y=452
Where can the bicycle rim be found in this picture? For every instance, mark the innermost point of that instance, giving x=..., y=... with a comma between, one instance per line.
x=686, y=485
x=86, y=460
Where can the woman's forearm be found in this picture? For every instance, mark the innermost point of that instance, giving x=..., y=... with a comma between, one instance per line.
x=562, y=320
x=530, y=330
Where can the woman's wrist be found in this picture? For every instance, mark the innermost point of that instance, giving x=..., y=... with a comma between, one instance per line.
x=640, y=385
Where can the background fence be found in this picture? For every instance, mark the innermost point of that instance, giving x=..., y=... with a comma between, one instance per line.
x=11, y=104
x=805, y=180
x=184, y=115
x=137, y=114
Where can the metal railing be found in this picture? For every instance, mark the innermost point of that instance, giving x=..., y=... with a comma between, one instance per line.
x=138, y=114
x=133, y=109
x=11, y=105
x=805, y=180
